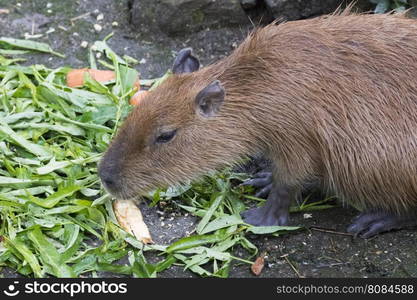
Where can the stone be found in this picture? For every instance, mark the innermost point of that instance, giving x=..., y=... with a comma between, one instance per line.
x=98, y=27
x=301, y=9
x=179, y=17
x=26, y=22
x=412, y=13
x=248, y=4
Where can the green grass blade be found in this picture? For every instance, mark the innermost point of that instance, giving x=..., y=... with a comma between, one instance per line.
x=30, y=45
x=28, y=256
x=36, y=149
x=49, y=254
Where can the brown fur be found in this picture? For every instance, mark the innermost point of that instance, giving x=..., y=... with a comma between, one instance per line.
x=330, y=100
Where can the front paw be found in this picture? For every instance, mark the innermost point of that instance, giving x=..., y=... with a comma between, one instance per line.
x=261, y=216
x=263, y=182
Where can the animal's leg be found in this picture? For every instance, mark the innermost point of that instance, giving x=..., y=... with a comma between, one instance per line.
x=262, y=181
x=275, y=210
x=371, y=223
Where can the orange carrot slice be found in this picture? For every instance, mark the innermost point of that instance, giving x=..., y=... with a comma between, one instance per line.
x=75, y=77
x=137, y=97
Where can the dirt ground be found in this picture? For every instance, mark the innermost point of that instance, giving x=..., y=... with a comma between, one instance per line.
x=325, y=252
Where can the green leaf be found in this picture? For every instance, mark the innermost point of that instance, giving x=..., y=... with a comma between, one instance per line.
x=16, y=182
x=194, y=268
x=49, y=254
x=55, y=165
x=165, y=264
x=23, y=115
x=65, y=209
x=68, y=128
x=8, y=52
x=113, y=268
x=54, y=199
x=30, y=45
x=192, y=241
x=128, y=77
x=248, y=245
x=271, y=229
x=38, y=150
x=102, y=47
x=218, y=198
x=222, y=222
x=141, y=269
x=28, y=256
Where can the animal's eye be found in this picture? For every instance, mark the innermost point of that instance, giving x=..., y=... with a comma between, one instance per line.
x=165, y=137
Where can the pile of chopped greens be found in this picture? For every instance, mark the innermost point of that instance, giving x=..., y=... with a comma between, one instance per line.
x=55, y=218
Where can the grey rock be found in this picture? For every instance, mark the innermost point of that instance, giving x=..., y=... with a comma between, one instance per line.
x=178, y=17
x=248, y=4
x=28, y=22
x=412, y=13
x=300, y=9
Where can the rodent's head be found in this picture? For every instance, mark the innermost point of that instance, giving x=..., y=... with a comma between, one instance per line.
x=176, y=133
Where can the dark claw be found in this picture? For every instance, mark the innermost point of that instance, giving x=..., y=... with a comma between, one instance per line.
x=257, y=182
x=353, y=228
x=260, y=179
x=374, y=229
x=263, y=175
x=283, y=220
x=369, y=224
x=264, y=192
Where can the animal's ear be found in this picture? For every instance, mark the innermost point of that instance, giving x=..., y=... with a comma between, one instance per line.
x=209, y=100
x=185, y=62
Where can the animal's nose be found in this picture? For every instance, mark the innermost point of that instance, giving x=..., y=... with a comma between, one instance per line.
x=108, y=177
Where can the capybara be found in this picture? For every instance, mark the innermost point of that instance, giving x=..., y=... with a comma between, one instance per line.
x=331, y=101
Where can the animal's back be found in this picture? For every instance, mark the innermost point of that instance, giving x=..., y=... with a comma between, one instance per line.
x=342, y=96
